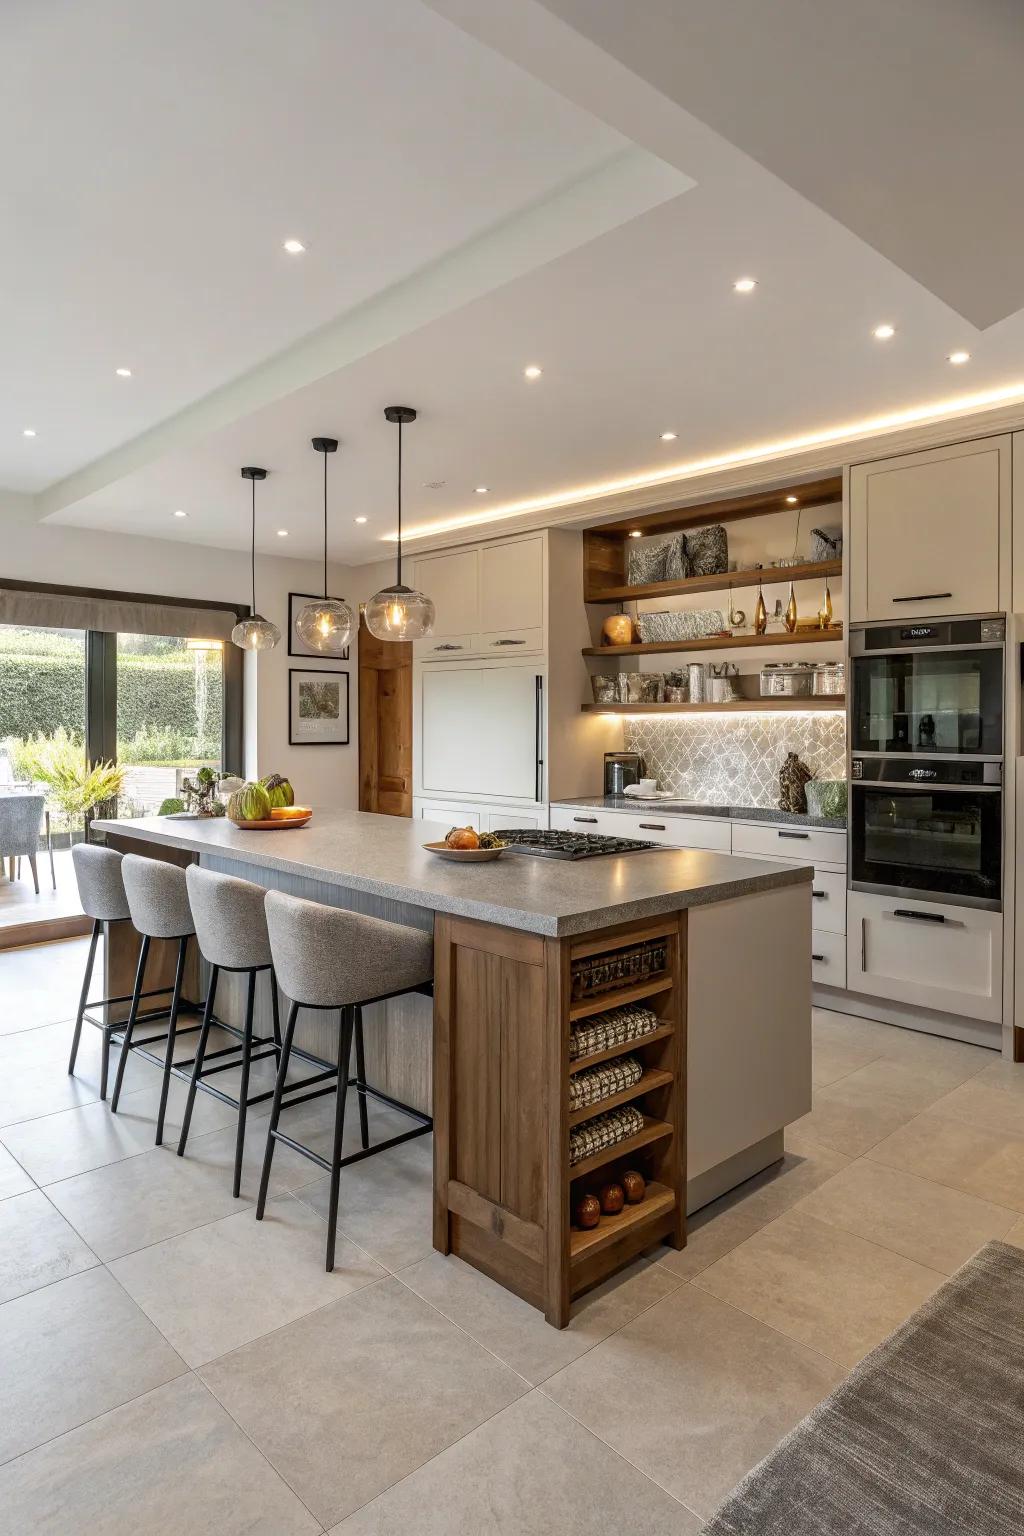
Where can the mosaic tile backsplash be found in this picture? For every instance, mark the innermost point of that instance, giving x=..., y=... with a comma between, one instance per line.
x=735, y=760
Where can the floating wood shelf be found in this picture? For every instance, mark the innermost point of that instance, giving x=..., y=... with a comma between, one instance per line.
x=657, y=1200
x=725, y=581
x=624, y=1048
x=832, y=701
x=803, y=637
x=621, y=997
x=730, y=509
x=654, y=1130
x=654, y=1077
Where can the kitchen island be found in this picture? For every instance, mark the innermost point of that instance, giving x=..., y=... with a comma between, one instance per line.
x=526, y=950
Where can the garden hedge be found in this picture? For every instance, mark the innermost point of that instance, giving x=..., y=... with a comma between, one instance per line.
x=39, y=692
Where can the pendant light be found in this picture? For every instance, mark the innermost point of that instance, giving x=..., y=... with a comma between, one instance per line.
x=255, y=633
x=325, y=625
x=399, y=613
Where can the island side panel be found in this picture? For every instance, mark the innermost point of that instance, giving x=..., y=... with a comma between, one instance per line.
x=121, y=951
x=749, y=1034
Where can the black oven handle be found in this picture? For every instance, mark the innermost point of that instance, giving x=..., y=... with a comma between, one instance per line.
x=948, y=789
x=921, y=597
x=918, y=917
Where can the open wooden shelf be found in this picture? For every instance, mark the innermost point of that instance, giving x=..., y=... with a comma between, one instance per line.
x=654, y=1130
x=722, y=581
x=826, y=491
x=655, y=1077
x=735, y=706
x=657, y=1200
x=803, y=637
x=622, y=1049
x=620, y=997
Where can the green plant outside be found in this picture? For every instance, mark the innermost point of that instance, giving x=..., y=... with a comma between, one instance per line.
x=73, y=786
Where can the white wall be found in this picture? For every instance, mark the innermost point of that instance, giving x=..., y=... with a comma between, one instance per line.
x=45, y=552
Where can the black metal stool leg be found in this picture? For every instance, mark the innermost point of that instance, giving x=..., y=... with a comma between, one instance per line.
x=364, y=1124
x=172, y=1030
x=129, y=1027
x=275, y=1112
x=86, y=984
x=197, y=1066
x=243, y=1091
x=344, y=1058
x=276, y=1007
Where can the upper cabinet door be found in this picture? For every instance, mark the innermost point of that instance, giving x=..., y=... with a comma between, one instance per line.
x=512, y=596
x=925, y=531
x=453, y=582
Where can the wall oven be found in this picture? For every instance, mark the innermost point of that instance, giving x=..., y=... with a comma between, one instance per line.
x=931, y=688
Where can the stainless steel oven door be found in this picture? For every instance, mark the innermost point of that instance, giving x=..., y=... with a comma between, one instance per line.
x=941, y=842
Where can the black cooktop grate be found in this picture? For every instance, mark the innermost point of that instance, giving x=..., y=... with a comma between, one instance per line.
x=566, y=845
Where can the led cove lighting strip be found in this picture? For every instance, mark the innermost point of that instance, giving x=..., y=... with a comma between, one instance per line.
x=732, y=714
x=959, y=405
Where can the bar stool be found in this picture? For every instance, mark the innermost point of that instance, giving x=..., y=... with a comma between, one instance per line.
x=101, y=892
x=158, y=904
x=326, y=958
x=231, y=931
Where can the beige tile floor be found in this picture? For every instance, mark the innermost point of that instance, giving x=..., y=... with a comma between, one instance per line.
x=168, y=1364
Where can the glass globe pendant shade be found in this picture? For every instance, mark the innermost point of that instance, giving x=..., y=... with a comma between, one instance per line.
x=399, y=613
x=325, y=626
x=255, y=634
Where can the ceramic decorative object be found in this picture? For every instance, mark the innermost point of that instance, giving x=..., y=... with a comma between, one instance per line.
x=670, y=624
x=652, y=687
x=634, y=1185
x=612, y=1198
x=630, y=687
x=829, y=679
x=645, y=561
x=827, y=797
x=708, y=551
x=605, y=687
x=696, y=675
x=617, y=629
x=825, y=611
x=791, y=611
x=678, y=565
x=677, y=693
x=793, y=779
x=760, y=613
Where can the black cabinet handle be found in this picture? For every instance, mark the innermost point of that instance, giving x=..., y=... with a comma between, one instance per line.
x=508, y=642
x=447, y=647
x=820, y=895
x=652, y=826
x=819, y=958
x=919, y=917
x=803, y=835
x=591, y=819
x=921, y=597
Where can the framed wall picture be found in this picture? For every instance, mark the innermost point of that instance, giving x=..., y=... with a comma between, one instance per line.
x=317, y=708
x=296, y=645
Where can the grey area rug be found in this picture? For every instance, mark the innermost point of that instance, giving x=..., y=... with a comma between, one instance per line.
x=926, y=1435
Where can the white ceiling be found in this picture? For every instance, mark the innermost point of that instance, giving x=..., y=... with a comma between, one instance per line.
x=607, y=254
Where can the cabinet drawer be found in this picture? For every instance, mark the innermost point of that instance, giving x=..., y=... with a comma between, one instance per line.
x=931, y=956
x=510, y=642
x=580, y=818
x=448, y=813
x=445, y=647
x=803, y=845
x=828, y=958
x=506, y=820
x=677, y=831
x=828, y=894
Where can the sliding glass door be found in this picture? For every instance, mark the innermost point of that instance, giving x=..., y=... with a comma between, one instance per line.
x=170, y=716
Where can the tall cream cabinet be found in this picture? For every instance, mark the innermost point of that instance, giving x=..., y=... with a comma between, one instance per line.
x=930, y=532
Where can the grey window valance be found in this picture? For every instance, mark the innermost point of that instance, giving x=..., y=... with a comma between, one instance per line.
x=113, y=612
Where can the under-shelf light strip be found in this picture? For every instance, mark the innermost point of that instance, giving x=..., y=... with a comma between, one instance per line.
x=733, y=714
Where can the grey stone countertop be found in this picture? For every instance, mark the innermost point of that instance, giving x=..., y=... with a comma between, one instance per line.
x=683, y=807
x=384, y=856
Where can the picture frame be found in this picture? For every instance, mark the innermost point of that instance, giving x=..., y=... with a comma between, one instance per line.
x=296, y=645
x=318, y=707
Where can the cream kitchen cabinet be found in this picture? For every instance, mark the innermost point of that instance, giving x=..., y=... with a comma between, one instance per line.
x=477, y=814
x=489, y=599
x=929, y=532
x=925, y=953
x=646, y=826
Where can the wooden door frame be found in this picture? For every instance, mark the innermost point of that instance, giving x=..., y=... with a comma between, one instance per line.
x=374, y=657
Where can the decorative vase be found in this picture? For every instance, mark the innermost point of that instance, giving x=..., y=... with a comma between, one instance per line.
x=617, y=629
x=760, y=613
x=791, y=611
x=794, y=776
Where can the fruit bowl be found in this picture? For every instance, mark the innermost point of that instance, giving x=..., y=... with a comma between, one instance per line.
x=464, y=855
x=294, y=816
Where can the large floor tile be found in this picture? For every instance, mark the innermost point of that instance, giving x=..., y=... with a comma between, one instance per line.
x=354, y=1397
x=733, y=1217
x=694, y=1393
x=983, y=1162
x=34, y=1077
x=930, y=1223
x=935, y=1051
x=13, y=1178
x=515, y=1331
x=993, y=1099
x=70, y=1352
x=167, y=1463
x=90, y=1136
x=385, y=1204
x=530, y=1471
x=829, y=1289
x=37, y=1246
x=43, y=982
x=836, y=1051
x=861, y=1109
x=227, y=1283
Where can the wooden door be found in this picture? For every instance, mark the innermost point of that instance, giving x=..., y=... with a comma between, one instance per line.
x=385, y=724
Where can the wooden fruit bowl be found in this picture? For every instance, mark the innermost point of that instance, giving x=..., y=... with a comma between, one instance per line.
x=297, y=816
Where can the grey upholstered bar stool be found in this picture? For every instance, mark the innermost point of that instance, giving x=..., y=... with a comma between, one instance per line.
x=231, y=931
x=102, y=894
x=330, y=959
x=159, y=907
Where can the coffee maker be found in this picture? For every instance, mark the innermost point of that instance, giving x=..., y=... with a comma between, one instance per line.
x=620, y=769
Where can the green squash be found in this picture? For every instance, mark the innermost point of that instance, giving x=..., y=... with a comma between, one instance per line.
x=279, y=790
x=250, y=803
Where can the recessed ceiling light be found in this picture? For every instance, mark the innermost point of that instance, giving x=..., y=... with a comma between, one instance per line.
x=533, y=372
x=744, y=285
x=481, y=490
x=959, y=357
x=282, y=533
x=180, y=513
x=29, y=432
x=668, y=437
x=635, y=533
x=792, y=500
x=123, y=373
x=294, y=247
x=884, y=332
x=360, y=519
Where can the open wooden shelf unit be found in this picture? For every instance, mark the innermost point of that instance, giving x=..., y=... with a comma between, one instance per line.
x=831, y=701
x=803, y=637
x=723, y=581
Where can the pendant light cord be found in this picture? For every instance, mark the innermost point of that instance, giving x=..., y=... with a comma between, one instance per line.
x=399, y=583
x=325, y=527
x=252, y=547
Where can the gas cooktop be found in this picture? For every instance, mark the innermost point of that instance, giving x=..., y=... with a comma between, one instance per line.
x=567, y=845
